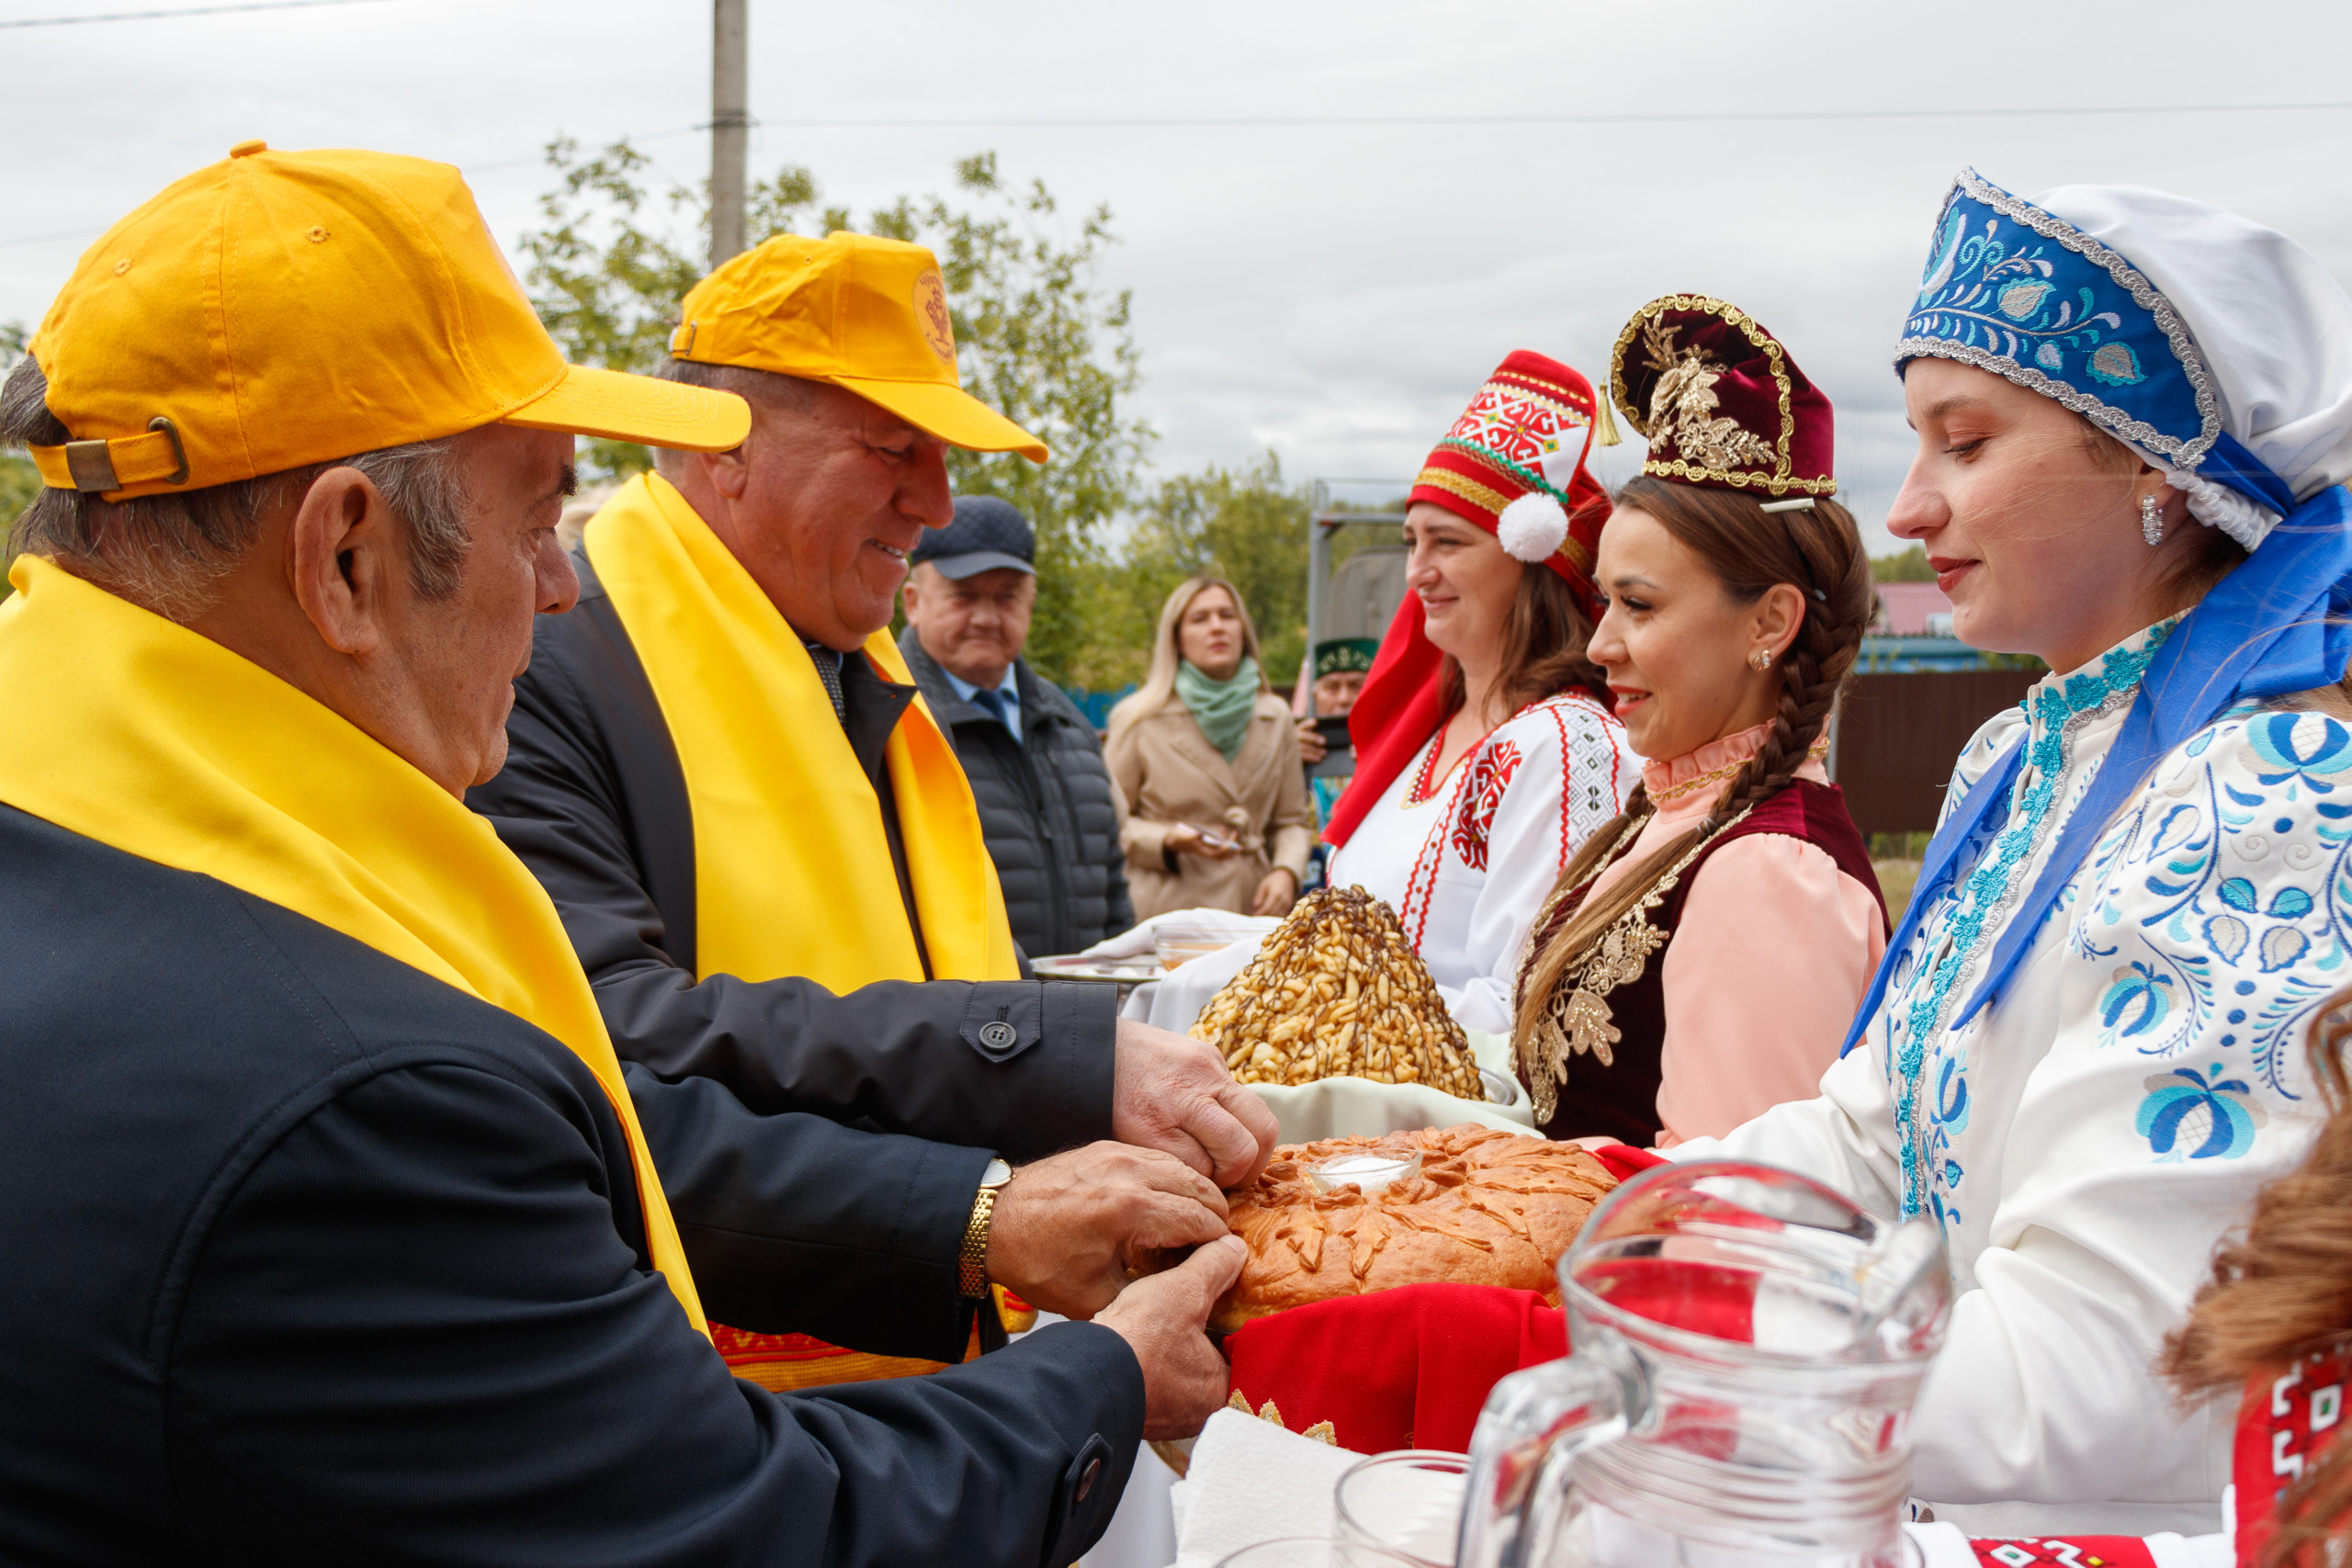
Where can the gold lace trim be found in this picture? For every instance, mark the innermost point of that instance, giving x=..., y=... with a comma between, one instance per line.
x=1781, y=481
x=1578, y=1018
x=1818, y=750
x=1471, y=491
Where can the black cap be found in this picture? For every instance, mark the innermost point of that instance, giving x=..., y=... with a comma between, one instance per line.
x=988, y=535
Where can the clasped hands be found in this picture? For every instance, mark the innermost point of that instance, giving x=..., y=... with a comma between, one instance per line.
x=1067, y=1228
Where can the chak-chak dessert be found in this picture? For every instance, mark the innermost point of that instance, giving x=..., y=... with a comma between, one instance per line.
x=1467, y=1204
x=1336, y=991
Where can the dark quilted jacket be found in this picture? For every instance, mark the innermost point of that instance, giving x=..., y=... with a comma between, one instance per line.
x=1044, y=807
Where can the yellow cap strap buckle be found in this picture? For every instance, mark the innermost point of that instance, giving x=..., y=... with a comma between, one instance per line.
x=97, y=466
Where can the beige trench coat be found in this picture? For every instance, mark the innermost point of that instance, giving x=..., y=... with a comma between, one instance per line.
x=1170, y=774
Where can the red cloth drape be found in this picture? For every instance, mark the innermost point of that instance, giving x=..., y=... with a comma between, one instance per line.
x=1402, y=1368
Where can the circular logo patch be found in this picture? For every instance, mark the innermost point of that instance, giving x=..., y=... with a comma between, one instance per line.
x=998, y=1036
x=931, y=309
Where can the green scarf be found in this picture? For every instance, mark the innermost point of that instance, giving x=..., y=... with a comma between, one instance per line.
x=1222, y=708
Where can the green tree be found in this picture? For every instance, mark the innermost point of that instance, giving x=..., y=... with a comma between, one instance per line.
x=19, y=480
x=1907, y=566
x=1243, y=524
x=1038, y=338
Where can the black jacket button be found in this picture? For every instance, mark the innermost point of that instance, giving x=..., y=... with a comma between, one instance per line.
x=999, y=1035
x=1086, y=1479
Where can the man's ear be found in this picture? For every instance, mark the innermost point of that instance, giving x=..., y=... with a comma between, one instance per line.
x=344, y=552
x=729, y=472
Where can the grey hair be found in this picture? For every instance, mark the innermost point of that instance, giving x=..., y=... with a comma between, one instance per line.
x=794, y=394
x=168, y=552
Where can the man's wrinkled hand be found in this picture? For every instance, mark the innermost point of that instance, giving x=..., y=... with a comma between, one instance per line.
x=1172, y=1093
x=1066, y=1229
x=1162, y=1319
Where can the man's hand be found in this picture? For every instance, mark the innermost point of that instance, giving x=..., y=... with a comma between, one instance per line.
x=1276, y=892
x=1066, y=1229
x=1311, y=749
x=1161, y=1318
x=1173, y=1094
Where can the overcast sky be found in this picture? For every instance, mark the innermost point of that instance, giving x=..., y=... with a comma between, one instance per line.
x=1333, y=292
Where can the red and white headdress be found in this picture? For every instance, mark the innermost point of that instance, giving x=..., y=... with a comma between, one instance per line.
x=1514, y=465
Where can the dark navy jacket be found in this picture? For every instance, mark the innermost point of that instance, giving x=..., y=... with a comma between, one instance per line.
x=307, y=1258
x=1046, y=809
x=593, y=801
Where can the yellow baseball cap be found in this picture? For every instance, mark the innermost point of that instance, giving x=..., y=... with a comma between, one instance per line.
x=864, y=315
x=283, y=309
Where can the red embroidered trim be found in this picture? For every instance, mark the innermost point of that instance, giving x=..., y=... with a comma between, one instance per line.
x=1491, y=776
x=1424, y=786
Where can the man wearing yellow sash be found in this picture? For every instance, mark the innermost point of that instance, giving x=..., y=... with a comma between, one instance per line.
x=333, y=1224
x=762, y=845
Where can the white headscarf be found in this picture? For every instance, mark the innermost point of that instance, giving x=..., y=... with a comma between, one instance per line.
x=2273, y=326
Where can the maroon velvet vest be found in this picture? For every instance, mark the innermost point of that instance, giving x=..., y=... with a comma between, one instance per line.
x=1620, y=1099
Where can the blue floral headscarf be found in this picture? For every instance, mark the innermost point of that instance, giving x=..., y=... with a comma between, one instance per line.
x=2221, y=351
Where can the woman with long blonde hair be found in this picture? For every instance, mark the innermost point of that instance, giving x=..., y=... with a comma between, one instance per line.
x=1219, y=816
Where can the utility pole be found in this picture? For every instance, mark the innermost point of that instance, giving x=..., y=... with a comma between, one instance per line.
x=730, y=120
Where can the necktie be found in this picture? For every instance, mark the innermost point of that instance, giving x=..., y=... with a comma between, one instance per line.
x=989, y=703
x=829, y=670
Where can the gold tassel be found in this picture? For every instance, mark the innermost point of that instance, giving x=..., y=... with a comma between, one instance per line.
x=1604, y=422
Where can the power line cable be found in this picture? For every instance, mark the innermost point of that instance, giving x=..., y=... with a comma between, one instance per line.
x=1303, y=121
x=189, y=11
x=1272, y=123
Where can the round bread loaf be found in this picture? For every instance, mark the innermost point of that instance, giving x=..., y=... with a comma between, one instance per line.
x=1488, y=1208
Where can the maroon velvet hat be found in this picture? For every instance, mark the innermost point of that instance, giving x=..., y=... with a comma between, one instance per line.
x=1720, y=402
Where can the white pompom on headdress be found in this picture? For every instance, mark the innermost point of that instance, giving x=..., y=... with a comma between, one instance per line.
x=1533, y=527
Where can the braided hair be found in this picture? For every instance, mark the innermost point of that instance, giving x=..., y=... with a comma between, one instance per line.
x=1818, y=550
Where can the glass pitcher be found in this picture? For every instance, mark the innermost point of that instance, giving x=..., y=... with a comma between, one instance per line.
x=1745, y=1345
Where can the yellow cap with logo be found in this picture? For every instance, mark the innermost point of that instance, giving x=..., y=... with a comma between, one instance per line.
x=865, y=314
x=278, y=310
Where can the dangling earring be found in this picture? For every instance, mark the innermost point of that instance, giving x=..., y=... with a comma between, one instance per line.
x=2152, y=521
x=1760, y=659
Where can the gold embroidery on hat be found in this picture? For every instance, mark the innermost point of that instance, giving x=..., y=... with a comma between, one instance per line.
x=930, y=310
x=1780, y=481
x=1685, y=396
x=1470, y=491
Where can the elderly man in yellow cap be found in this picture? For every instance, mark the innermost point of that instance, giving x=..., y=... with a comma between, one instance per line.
x=761, y=844
x=334, y=1229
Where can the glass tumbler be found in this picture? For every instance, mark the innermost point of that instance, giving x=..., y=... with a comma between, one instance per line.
x=1409, y=1502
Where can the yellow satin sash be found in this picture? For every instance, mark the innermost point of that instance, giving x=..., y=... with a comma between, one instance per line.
x=145, y=736
x=792, y=868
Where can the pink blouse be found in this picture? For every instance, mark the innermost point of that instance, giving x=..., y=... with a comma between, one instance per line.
x=1766, y=910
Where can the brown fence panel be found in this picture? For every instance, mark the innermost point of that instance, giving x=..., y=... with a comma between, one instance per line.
x=1898, y=734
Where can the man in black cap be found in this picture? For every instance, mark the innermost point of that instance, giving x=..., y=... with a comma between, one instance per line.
x=1036, y=768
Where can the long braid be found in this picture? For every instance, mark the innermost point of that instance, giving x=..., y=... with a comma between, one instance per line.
x=1817, y=549
x=1814, y=668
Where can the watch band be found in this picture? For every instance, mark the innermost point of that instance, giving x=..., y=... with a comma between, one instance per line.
x=972, y=1258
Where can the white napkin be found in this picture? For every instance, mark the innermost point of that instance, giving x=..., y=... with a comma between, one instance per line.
x=1251, y=1480
x=1137, y=939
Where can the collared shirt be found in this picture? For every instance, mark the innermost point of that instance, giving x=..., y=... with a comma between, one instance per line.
x=1003, y=704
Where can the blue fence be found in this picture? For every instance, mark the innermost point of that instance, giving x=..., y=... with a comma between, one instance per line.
x=1097, y=705
x=1906, y=655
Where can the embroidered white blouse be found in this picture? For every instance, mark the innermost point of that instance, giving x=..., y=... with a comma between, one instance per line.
x=1466, y=869
x=2086, y=1140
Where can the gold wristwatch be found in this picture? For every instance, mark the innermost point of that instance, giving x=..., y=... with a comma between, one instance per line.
x=972, y=1260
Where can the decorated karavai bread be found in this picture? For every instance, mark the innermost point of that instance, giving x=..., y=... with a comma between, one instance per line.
x=1335, y=991
x=1466, y=1204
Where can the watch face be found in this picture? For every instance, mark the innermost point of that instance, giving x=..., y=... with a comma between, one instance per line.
x=997, y=1174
